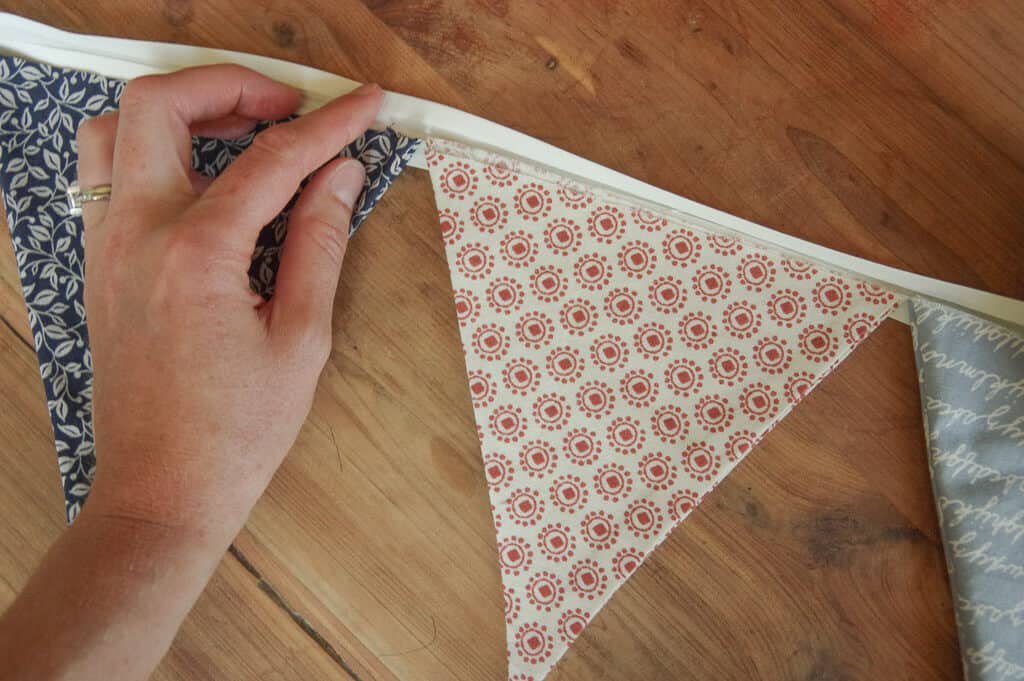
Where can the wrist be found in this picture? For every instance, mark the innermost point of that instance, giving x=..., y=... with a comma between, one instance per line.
x=162, y=502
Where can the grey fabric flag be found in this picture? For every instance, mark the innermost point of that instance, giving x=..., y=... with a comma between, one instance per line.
x=971, y=372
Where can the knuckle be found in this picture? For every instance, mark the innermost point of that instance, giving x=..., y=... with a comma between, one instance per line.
x=327, y=236
x=279, y=143
x=138, y=90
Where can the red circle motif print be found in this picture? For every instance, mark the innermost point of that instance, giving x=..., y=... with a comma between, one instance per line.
x=538, y=458
x=681, y=504
x=474, y=261
x=669, y=424
x=568, y=493
x=557, y=543
x=648, y=220
x=684, y=377
x=489, y=214
x=652, y=341
x=571, y=624
x=515, y=555
x=588, y=579
x=787, y=308
x=667, y=295
x=534, y=644
x=625, y=435
x=490, y=342
x=599, y=530
x=521, y=376
x=700, y=461
x=657, y=471
x=637, y=259
x=581, y=446
x=458, y=181
x=481, y=388
x=564, y=364
x=626, y=562
x=643, y=519
x=832, y=295
x=551, y=411
x=595, y=399
x=507, y=423
x=724, y=245
x=818, y=343
x=498, y=470
x=525, y=507
x=728, y=366
x=623, y=306
x=533, y=201
x=563, y=236
x=548, y=283
x=573, y=196
x=534, y=330
x=452, y=227
x=505, y=295
x=739, y=444
x=639, y=388
x=578, y=316
x=772, y=355
x=518, y=249
x=592, y=272
x=606, y=224
x=697, y=330
x=545, y=591
x=609, y=352
x=711, y=283
x=759, y=402
x=756, y=272
x=681, y=247
x=613, y=482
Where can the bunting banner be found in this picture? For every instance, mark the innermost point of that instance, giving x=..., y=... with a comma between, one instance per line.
x=972, y=397
x=625, y=348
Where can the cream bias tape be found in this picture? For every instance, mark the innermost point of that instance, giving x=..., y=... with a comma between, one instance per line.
x=121, y=58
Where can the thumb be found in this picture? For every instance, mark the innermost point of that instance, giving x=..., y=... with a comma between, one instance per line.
x=314, y=249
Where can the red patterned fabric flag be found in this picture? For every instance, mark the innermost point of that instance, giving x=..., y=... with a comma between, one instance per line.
x=621, y=361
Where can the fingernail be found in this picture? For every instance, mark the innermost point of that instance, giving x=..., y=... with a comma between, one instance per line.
x=365, y=90
x=347, y=181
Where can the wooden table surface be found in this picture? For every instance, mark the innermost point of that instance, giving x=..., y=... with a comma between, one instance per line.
x=891, y=129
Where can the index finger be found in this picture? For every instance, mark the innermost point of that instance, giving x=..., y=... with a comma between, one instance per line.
x=261, y=181
x=153, y=153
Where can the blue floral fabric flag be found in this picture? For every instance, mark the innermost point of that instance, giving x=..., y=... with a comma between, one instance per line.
x=972, y=396
x=41, y=107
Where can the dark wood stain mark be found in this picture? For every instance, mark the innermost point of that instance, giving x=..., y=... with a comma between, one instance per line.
x=877, y=212
x=177, y=13
x=630, y=51
x=284, y=34
x=833, y=537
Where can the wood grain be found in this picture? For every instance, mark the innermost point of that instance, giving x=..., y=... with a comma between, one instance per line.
x=891, y=129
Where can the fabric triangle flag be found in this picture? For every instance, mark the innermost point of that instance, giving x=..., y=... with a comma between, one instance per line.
x=621, y=361
x=972, y=396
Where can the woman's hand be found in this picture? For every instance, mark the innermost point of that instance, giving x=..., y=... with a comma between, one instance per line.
x=200, y=387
